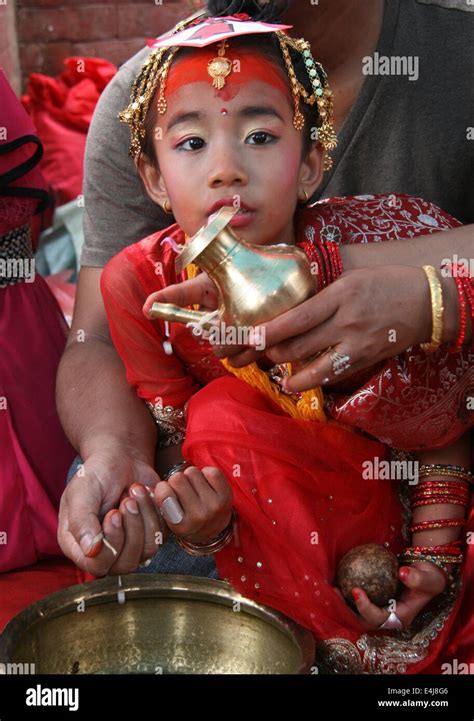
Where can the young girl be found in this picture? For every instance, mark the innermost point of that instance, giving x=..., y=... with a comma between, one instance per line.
x=231, y=119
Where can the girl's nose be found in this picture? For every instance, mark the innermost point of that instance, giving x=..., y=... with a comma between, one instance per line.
x=226, y=168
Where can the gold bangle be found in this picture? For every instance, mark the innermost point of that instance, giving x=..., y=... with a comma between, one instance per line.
x=437, y=310
x=211, y=547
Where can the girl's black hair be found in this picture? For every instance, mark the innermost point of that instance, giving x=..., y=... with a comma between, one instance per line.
x=266, y=44
x=270, y=11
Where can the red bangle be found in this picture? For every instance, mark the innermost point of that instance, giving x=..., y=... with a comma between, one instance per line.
x=314, y=255
x=460, y=286
x=431, y=492
x=437, y=523
x=443, y=483
x=465, y=291
x=448, y=550
x=335, y=260
x=437, y=501
x=426, y=492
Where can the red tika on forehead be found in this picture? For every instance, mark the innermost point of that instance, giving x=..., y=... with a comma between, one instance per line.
x=246, y=66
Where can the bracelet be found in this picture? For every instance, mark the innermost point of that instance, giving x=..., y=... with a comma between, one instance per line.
x=437, y=310
x=335, y=261
x=462, y=314
x=447, y=471
x=438, y=523
x=460, y=485
x=175, y=469
x=439, y=501
x=217, y=544
x=440, y=493
x=409, y=559
x=327, y=257
x=464, y=286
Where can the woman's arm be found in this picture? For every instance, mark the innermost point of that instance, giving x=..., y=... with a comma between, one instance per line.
x=430, y=249
x=455, y=245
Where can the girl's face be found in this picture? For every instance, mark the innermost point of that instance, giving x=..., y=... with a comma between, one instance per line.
x=244, y=149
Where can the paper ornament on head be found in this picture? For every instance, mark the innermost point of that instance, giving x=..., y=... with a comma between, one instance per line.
x=214, y=29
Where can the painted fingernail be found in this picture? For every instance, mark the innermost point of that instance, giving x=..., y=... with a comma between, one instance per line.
x=138, y=491
x=116, y=519
x=404, y=573
x=171, y=510
x=86, y=543
x=131, y=506
x=356, y=594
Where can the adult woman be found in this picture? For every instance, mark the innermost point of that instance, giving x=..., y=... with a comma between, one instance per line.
x=113, y=432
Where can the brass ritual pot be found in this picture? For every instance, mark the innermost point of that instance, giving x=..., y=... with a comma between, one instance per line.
x=155, y=624
x=254, y=283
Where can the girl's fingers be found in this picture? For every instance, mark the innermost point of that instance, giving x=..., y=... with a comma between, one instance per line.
x=168, y=503
x=131, y=553
x=371, y=613
x=217, y=481
x=199, y=290
x=428, y=580
x=199, y=484
x=153, y=534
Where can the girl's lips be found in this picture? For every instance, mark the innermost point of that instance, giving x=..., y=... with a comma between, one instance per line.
x=242, y=219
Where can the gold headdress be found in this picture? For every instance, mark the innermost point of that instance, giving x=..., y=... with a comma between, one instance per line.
x=155, y=71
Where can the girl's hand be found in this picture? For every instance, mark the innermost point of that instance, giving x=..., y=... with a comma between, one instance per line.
x=423, y=582
x=199, y=290
x=196, y=503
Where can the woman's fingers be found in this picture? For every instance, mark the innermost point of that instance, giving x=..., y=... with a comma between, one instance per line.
x=199, y=290
x=322, y=370
x=305, y=317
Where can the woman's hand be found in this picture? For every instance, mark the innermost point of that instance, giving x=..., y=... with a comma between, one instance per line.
x=196, y=504
x=423, y=581
x=131, y=523
x=368, y=314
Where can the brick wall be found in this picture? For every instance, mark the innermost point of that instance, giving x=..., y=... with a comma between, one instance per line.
x=50, y=30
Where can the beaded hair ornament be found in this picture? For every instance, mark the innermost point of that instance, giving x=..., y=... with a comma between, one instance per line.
x=197, y=33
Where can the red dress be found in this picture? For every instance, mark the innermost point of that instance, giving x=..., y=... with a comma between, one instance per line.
x=297, y=484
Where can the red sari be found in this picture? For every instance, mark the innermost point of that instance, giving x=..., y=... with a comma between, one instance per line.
x=297, y=485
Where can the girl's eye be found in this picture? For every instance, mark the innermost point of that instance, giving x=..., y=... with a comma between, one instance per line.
x=259, y=134
x=190, y=140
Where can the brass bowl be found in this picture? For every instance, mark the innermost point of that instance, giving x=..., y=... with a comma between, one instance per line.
x=155, y=624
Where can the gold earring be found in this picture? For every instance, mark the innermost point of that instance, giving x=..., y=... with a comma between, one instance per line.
x=304, y=200
x=167, y=207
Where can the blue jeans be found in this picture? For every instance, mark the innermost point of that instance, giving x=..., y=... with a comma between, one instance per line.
x=170, y=558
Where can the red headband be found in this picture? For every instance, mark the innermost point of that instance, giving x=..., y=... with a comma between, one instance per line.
x=252, y=66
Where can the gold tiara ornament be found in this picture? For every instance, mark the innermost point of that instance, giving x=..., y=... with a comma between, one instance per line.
x=154, y=73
